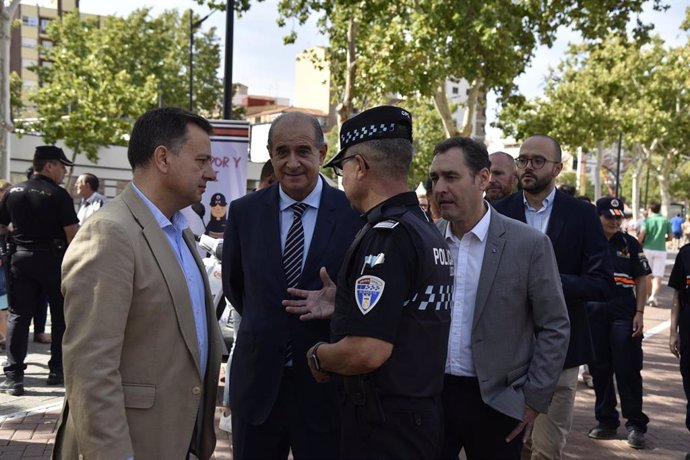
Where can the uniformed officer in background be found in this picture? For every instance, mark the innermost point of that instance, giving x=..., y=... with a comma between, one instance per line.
x=617, y=327
x=391, y=320
x=44, y=222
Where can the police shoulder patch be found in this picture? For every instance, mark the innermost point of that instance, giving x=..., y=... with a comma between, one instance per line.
x=368, y=291
x=390, y=223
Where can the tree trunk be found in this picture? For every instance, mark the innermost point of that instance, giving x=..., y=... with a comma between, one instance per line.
x=664, y=170
x=344, y=109
x=471, y=111
x=638, y=163
x=443, y=108
x=581, y=171
x=6, y=126
x=70, y=171
x=597, y=170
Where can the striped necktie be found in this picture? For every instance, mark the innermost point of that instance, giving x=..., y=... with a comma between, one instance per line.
x=292, y=258
x=294, y=246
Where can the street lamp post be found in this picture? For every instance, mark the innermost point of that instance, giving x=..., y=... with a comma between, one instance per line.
x=193, y=25
x=227, y=84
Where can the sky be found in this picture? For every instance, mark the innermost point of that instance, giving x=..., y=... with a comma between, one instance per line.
x=267, y=66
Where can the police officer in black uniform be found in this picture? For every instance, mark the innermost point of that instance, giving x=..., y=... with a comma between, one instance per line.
x=616, y=328
x=391, y=321
x=679, y=339
x=43, y=223
x=218, y=221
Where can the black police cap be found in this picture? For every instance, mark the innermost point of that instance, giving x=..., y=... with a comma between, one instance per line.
x=610, y=206
x=218, y=199
x=51, y=152
x=384, y=122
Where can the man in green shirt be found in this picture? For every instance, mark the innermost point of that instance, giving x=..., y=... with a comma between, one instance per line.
x=655, y=232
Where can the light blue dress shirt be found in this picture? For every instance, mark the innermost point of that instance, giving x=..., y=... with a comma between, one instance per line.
x=539, y=218
x=195, y=283
x=308, y=218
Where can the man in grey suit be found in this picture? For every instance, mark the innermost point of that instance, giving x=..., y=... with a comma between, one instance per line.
x=509, y=330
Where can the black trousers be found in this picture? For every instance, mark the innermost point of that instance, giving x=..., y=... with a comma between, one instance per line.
x=473, y=425
x=34, y=278
x=617, y=353
x=411, y=429
x=684, y=334
x=284, y=430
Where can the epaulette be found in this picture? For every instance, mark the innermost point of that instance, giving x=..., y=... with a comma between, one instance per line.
x=388, y=224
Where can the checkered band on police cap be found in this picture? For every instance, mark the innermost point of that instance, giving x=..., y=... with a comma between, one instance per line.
x=384, y=122
x=610, y=206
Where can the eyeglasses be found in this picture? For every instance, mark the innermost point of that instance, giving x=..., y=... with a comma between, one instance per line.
x=537, y=162
x=338, y=167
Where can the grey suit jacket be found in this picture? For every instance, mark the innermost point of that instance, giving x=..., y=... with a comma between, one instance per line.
x=520, y=330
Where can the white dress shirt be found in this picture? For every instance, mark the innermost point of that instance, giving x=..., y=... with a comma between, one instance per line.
x=468, y=253
x=308, y=218
x=539, y=218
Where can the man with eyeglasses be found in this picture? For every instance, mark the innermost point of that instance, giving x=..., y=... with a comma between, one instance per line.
x=584, y=265
x=617, y=327
x=391, y=320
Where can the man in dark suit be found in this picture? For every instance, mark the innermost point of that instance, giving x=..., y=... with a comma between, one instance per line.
x=275, y=239
x=584, y=265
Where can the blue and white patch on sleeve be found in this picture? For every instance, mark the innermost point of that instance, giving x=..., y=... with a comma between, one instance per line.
x=373, y=260
x=368, y=292
x=388, y=224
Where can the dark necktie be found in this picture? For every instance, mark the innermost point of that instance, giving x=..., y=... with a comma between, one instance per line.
x=294, y=246
x=292, y=257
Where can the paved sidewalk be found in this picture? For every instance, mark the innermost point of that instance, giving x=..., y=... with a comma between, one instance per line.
x=27, y=423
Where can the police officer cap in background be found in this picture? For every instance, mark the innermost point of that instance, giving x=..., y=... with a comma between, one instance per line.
x=610, y=206
x=218, y=199
x=51, y=152
x=384, y=122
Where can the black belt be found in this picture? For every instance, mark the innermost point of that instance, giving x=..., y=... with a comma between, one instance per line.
x=43, y=246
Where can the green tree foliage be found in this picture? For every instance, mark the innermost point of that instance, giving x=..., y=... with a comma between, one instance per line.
x=103, y=76
x=428, y=131
x=619, y=86
x=411, y=47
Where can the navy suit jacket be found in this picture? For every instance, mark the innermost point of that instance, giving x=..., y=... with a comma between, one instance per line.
x=583, y=261
x=254, y=282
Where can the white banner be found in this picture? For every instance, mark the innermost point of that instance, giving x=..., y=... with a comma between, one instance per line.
x=230, y=150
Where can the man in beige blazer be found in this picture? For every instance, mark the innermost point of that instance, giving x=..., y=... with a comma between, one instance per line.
x=142, y=347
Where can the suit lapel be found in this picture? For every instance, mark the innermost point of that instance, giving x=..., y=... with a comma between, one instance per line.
x=556, y=220
x=325, y=224
x=274, y=252
x=492, y=256
x=170, y=268
x=518, y=207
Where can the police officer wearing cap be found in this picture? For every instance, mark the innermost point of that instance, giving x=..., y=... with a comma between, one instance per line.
x=216, y=225
x=391, y=320
x=616, y=327
x=44, y=222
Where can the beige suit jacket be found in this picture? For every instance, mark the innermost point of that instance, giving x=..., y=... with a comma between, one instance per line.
x=131, y=358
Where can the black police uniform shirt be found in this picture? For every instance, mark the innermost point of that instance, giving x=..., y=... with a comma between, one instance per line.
x=629, y=263
x=396, y=285
x=680, y=277
x=38, y=209
x=216, y=225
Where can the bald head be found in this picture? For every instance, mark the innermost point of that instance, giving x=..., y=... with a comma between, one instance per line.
x=297, y=118
x=503, y=176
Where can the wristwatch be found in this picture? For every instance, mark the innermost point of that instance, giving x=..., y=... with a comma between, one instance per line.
x=315, y=358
